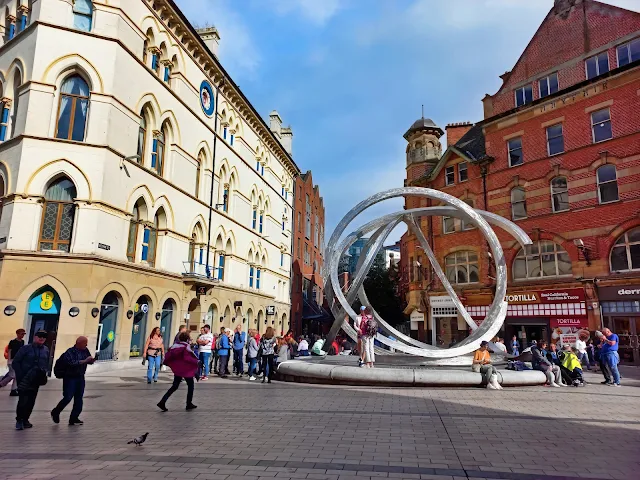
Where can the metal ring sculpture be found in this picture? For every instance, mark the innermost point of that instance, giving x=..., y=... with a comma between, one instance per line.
x=380, y=230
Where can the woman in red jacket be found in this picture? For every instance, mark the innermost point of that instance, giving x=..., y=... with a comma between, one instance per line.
x=184, y=364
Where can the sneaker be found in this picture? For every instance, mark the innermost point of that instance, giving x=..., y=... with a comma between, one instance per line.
x=14, y=393
x=191, y=406
x=614, y=384
x=360, y=362
x=162, y=407
x=27, y=424
x=554, y=385
x=155, y=380
x=148, y=382
x=19, y=425
x=252, y=378
x=75, y=421
x=606, y=382
x=55, y=416
x=204, y=379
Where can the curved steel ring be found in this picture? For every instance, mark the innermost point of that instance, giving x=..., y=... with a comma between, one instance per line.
x=382, y=227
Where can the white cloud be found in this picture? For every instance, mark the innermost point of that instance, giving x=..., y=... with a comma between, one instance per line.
x=314, y=11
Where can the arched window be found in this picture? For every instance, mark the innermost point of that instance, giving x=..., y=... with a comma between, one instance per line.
x=462, y=267
x=221, y=262
x=158, y=152
x=145, y=51
x=199, y=164
x=142, y=137
x=139, y=210
x=518, y=203
x=607, y=184
x=254, y=218
x=625, y=254
x=252, y=272
x=9, y=27
x=258, y=274
x=58, y=215
x=3, y=193
x=542, y=259
x=82, y=14
x=559, y=194
x=192, y=253
x=72, y=110
x=150, y=241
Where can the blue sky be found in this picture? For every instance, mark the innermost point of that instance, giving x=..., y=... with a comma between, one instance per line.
x=350, y=76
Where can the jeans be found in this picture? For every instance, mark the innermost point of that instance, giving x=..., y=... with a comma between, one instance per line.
x=153, y=367
x=72, y=389
x=611, y=361
x=487, y=371
x=268, y=366
x=253, y=362
x=585, y=358
x=174, y=387
x=26, y=402
x=238, y=366
x=223, y=362
x=204, y=358
x=9, y=376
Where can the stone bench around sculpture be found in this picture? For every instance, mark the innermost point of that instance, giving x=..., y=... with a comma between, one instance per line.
x=303, y=372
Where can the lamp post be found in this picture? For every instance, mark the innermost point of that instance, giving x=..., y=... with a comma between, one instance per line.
x=213, y=177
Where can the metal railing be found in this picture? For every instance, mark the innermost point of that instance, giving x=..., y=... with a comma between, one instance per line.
x=196, y=269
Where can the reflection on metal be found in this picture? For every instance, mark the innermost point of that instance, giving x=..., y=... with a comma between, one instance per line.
x=379, y=230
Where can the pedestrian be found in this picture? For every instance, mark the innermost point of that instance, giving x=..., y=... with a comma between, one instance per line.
x=183, y=328
x=205, y=341
x=239, y=341
x=515, y=346
x=183, y=362
x=482, y=363
x=223, y=353
x=216, y=356
x=368, y=331
x=581, y=346
x=12, y=350
x=153, y=353
x=610, y=357
x=591, y=352
x=283, y=351
x=541, y=363
x=31, y=365
x=267, y=345
x=74, y=367
x=357, y=323
x=252, y=354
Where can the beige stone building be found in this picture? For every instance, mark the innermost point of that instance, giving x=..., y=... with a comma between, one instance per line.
x=138, y=185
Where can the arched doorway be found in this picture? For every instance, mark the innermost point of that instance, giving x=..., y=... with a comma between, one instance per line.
x=105, y=347
x=226, y=321
x=213, y=319
x=166, y=321
x=44, y=314
x=250, y=319
x=139, y=328
x=195, y=315
x=260, y=325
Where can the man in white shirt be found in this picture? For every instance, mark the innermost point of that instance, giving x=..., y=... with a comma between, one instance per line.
x=581, y=346
x=205, y=341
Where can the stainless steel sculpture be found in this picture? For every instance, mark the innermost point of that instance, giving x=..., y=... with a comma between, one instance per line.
x=380, y=230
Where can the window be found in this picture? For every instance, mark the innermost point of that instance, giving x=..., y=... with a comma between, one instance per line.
x=625, y=254
x=24, y=19
x=601, y=125
x=316, y=232
x=133, y=234
x=450, y=175
x=518, y=203
x=157, y=154
x=607, y=184
x=72, y=110
x=258, y=273
x=251, y=275
x=548, y=85
x=299, y=243
x=448, y=224
x=231, y=138
x=597, y=65
x=82, y=14
x=559, y=194
x=307, y=256
x=2, y=194
x=283, y=190
x=555, y=139
x=515, y=152
x=307, y=230
x=149, y=241
x=155, y=61
x=464, y=225
x=198, y=166
x=142, y=137
x=225, y=203
x=300, y=222
x=463, y=176
x=542, y=259
x=261, y=223
x=221, y=266
x=4, y=120
x=462, y=268
x=258, y=166
x=167, y=72
x=524, y=95
x=58, y=215
x=10, y=28
x=412, y=270
x=419, y=268
x=629, y=52
x=281, y=259
x=254, y=218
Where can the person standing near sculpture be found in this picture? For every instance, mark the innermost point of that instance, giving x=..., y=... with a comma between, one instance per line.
x=31, y=365
x=368, y=331
x=12, y=350
x=267, y=346
x=515, y=346
x=610, y=357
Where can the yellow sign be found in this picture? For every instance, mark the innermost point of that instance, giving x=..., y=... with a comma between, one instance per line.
x=136, y=307
x=47, y=301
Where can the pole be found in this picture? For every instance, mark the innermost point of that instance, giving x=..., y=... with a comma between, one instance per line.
x=213, y=177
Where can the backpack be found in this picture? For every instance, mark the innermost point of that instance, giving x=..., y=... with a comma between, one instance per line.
x=371, y=327
x=60, y=367
x=219, y=342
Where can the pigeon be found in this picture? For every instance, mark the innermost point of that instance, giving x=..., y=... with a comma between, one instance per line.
x=138, y=440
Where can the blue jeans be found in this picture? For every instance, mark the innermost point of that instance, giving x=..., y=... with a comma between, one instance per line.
x=238, y=366
x=153, y=367
x=611, y=360
x=253, y=362
x=585, y=358
x=72, y=389
x=204, y=358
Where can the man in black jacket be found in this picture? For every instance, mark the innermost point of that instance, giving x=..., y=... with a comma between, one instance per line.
x=75, y=361
x=31, y=365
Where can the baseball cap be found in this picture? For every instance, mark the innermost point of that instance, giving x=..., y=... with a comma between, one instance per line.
x=41, y=334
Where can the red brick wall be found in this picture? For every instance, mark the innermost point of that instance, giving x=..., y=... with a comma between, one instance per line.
x=456, y=131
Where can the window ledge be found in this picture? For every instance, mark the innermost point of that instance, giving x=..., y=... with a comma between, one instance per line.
x=542, y=279
x=561, y=211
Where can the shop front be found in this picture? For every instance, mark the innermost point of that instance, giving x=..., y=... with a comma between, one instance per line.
x=446, y=326
x=620, y=307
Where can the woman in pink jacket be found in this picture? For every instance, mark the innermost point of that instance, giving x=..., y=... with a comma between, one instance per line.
x=184, y=364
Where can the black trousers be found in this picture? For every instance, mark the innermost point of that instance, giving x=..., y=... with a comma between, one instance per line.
x=176, y=385
x=268, y=364
x=26, y=402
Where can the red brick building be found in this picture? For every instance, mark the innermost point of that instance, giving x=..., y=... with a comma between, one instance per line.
x=558, y=153
x=307, y=291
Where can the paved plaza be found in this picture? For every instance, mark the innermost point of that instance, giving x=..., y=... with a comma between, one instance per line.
x=284, y=431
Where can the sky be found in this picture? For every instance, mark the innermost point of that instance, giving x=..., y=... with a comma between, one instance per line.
x=350, y=76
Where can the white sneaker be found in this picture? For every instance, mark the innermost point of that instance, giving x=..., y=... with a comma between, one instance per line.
x=252, y=378
x=563, y=385
x=554, y=385
x=490, y=387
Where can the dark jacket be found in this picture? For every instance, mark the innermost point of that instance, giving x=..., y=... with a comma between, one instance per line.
x=31, y=362
x=538, y=360
x=71, y=359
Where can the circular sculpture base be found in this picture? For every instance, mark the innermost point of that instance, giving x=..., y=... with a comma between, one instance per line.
x=303, y=371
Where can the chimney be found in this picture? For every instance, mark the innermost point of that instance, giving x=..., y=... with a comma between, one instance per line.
x=286, y=138
x=275, y=123
x=211, y=38
x=455, y=131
